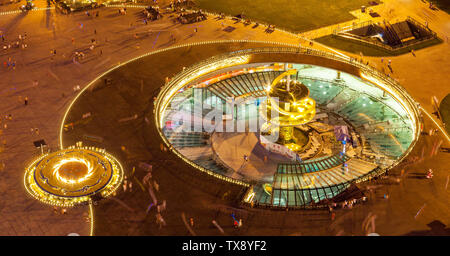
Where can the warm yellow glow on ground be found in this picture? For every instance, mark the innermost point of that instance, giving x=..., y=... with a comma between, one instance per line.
x=71, y=176
x=58, y=170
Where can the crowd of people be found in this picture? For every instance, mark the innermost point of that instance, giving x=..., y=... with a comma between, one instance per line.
x=152, y=13
x=18, y=43
x=185, y=18
x=178, y=4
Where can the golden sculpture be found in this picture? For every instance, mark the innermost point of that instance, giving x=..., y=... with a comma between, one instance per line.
x=290, y=100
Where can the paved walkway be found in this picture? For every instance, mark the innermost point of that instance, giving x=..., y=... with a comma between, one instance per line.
x=58, y=75
x=188, y=191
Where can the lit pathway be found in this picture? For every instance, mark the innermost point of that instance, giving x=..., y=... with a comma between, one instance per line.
x=46, y=30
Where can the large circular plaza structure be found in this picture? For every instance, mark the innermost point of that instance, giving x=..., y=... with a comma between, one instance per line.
x=210, y=116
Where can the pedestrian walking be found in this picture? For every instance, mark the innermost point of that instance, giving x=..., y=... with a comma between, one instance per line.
x=163, y=206
x=26, y=101
x=160, y=220
x=147, y=178
x=429, y=174
x=125, y=185
x=235, y=224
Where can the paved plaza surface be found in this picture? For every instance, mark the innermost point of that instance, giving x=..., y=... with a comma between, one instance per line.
x=187, y=191
x=412, y=204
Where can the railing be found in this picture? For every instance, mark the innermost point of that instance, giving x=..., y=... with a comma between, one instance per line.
x=365, y=41
x=342, y=33
x=355, y=25
x=418, y=24
x=330, y=81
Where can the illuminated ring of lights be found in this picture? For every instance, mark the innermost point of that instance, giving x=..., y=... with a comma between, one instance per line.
x=57, y=169
x=71, y=176
x=367, y=74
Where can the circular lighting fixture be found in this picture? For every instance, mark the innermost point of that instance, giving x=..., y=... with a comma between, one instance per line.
x=72, y=176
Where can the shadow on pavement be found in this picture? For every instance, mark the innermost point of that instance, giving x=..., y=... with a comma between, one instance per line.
x=437, y=228
x=14, y=22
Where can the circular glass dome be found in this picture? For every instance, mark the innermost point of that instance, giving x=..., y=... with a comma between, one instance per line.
x=212, y=116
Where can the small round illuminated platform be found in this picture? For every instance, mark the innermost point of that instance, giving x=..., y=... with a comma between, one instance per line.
x=71, y=176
